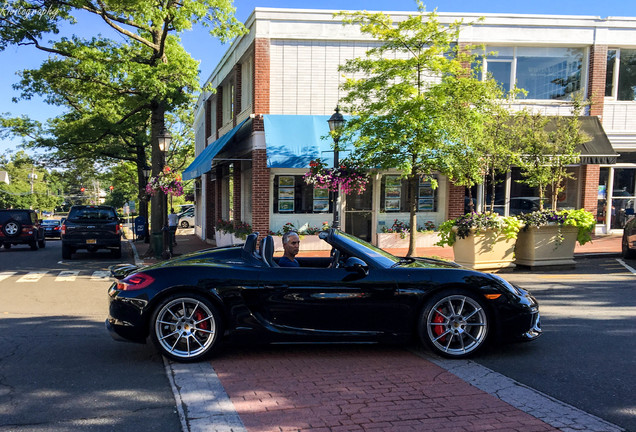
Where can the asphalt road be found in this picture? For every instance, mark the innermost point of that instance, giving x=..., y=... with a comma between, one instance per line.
x=586, y=356
x=59, y=369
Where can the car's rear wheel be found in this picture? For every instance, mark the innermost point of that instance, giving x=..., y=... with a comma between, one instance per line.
x=184, y=224
x=454, y=324
x=42, y=242
x=7, y=245
x=116, y=253
x=186, y=327
x=67, y=252
x=626, y=251
x=34, y=245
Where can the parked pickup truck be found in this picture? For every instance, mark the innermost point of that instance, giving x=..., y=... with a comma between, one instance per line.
x=91, y=227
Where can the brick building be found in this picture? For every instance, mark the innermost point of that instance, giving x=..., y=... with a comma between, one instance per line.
x=277, y=86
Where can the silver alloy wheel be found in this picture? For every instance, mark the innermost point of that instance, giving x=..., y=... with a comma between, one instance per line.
x=11, y=228
x=185, y=328
x=457, y=325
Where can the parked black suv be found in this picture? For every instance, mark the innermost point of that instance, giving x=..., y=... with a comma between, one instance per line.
x=19, y=226
x=91, y=227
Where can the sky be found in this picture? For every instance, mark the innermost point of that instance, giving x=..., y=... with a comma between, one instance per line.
x=209, y=51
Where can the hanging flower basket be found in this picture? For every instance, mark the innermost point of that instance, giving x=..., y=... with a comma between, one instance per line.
x=346, y=178
x=166, y=181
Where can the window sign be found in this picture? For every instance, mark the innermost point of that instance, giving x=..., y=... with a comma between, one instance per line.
x=425, y=196
x=321, y=200
x=286, y=193
x=392, y=193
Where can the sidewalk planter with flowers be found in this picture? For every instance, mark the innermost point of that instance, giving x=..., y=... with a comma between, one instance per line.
x=549, y=237
x=397, y=236
x=228, y=233
x=482, y=241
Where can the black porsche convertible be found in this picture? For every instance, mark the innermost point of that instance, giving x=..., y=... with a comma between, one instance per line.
x=190, y=304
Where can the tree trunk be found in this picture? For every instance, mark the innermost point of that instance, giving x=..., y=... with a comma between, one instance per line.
x=413, y=182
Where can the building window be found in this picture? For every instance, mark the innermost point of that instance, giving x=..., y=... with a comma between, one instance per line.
x=394, y=195
x=246, y=84
x=544, y=73
x=228, y=103
x=620, y=79
x=293, y=195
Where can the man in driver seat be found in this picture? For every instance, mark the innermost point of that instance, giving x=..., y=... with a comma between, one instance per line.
x=291, y=246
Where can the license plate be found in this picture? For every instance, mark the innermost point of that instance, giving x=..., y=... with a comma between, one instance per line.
x=91, y=241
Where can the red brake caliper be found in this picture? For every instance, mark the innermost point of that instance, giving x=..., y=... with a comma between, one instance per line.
x=439, y=328
x=203, y=325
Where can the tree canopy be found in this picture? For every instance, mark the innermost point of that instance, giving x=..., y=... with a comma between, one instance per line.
x=414, y=100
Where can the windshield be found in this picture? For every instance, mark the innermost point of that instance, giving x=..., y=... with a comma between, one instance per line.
x=92, y=213
x=50, y=222
x=379, y=256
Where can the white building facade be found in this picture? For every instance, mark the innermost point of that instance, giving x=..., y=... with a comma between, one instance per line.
x=277, y=86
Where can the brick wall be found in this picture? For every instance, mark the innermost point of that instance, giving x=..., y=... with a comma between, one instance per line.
x=219, y=111
x=589, y=178
x=260, y=192
x=456, y=198
x=596, y=86
x=261, y=84
x=208, y=120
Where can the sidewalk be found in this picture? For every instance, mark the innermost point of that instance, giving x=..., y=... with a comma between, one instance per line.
x=188, y=242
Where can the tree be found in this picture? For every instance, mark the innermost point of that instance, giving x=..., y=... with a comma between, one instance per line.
x=400, y=97
x=31, y=185
x=148, y=75
x=549, y=145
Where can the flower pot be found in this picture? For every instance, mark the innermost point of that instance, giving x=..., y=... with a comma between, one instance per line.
x=539, y=246
x=226, y=239
x=395, y=240
x=485, y=251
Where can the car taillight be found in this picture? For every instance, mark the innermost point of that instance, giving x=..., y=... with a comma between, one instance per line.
x=57, y=228
x=134, y=282
x=117, y=229
x=63, y=229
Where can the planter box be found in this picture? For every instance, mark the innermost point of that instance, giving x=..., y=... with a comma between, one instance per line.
x=226, y=239
x=537, y=247
x=307, y=243
x=486, y=251
x=393, y=240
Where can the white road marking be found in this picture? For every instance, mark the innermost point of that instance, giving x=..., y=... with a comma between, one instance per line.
x=628, y=267
x=67, y=276
x=100, y=275
x=5, y=275
x=32, y=276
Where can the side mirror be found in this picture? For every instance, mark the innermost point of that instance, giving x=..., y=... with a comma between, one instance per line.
x=356, y=265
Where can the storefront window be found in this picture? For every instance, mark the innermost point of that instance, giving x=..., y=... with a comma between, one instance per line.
x=620, y=81
x=544, y=73
x=394, y=195
x=293, y=195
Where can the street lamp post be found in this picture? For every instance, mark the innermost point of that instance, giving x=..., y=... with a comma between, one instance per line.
x=336, y=123
x=164, y=138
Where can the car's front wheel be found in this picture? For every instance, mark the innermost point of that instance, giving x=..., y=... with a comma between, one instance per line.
x=185, y=224
x=186, y=327
x=454, y=324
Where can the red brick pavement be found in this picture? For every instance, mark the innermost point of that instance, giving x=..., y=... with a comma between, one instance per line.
x=359, y=388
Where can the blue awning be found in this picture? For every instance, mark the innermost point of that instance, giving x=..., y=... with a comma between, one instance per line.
x=203, y=162
x=295, y=140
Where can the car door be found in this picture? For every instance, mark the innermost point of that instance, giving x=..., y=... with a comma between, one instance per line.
x=327, y=301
